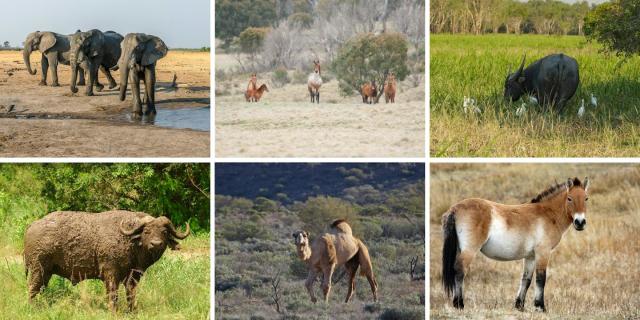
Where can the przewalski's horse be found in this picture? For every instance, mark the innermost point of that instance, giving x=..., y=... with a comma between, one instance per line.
x=257, y=94
x=503, y=232
x=333, y=249
x=390, y=89
x=251, y=87
x=369, y=92
x=314, y=82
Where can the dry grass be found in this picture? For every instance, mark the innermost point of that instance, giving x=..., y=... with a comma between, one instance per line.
x=285, y=124
x=592, y=274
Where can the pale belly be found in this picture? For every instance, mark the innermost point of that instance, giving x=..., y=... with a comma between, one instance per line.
x=506, y=245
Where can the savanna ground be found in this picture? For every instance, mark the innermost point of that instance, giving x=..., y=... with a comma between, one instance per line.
x=53, y=122
x=254, y=247
x=476, y=66
x=175, y=287
x=592, y=274
x=286, y=124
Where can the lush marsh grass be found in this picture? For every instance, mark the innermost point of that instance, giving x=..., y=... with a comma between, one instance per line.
x=476, y=66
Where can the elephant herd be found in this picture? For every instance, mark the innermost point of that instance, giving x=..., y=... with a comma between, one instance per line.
x=135, y=55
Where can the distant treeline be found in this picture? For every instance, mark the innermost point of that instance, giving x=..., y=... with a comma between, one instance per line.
x=508, y=16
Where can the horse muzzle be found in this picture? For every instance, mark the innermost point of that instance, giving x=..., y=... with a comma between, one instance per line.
x=579, y=223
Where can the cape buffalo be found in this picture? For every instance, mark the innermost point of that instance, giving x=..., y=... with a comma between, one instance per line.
x=114, y=246
x=552, y=80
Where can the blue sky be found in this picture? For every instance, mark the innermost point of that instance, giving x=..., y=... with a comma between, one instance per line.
x=181, y=24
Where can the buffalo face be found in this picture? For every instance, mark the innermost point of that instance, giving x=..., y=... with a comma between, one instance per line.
x=514, y=84
x=155, y=234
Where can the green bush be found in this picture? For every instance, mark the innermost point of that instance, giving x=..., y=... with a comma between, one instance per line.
x=251, y=39
x=615, y=25
x=280, y=77
x=241, y=231
x=369, y=57
x=301, y=20
x=318, y=213
x=263, y=204
x=400, y=230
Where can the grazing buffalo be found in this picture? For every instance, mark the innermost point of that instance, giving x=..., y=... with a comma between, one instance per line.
x=552, y=80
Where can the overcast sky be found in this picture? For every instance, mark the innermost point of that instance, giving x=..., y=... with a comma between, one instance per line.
x=181, y=24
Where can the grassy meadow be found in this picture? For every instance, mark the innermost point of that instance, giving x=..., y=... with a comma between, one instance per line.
x=476, y=66
x=175, y=287
x=592, y=274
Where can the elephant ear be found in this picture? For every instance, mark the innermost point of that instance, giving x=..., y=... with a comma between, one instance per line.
x=155, y=49
x=95, y=43
x=47, y=41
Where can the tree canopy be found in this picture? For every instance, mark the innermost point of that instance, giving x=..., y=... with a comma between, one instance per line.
x=616, y=25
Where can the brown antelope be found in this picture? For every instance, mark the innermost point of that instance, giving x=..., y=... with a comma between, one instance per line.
x=314, y=82
x=251, y=87
x=369, y=92
x=503, y=232
x=390, y=89
x=258, y=93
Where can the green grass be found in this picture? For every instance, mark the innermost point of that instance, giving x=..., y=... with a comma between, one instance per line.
x=476, y=66
x=175, y=287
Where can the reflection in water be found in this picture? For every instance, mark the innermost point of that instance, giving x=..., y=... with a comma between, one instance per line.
x=184, y=118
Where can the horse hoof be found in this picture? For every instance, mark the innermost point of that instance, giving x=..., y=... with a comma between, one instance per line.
x=42, y=83
x=55, y=84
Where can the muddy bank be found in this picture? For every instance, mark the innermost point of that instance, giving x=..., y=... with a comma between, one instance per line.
x=37, y=119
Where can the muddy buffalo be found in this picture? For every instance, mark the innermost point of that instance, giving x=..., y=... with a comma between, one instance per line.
x=552, y=80
x=114, y=246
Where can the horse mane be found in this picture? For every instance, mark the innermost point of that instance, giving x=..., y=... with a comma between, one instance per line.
x=553, y=190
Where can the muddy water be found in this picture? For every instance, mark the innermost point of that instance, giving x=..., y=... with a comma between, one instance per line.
x=180, y=118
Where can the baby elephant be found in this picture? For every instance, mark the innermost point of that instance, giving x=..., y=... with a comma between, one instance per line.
x=138, y=62
x=116, y=247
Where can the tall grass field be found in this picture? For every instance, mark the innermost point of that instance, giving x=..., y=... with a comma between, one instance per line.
x=592, y=274
x=476, y=67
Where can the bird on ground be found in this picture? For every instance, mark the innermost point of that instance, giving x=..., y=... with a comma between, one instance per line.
x=581, y=110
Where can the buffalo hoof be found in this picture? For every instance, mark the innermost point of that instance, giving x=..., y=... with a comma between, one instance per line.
x=89, y=94
x=112, y=85
x=55, y=84
x=99, y=87
x=42, y=83
x=81, y=83
x=74, y=90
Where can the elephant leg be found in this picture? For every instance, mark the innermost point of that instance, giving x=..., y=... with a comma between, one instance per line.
x=99, y=86
x=107, y=73
x=150, y=88
x=92, y=79
x=81, y=81
x=44, y=64
x=135, y=92
x=53, y=67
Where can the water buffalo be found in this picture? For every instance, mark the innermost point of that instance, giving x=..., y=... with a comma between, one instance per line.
x=114, y=246
x=552, y=80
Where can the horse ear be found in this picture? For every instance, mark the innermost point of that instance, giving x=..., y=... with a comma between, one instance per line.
x=585, y=183
x=569, y=184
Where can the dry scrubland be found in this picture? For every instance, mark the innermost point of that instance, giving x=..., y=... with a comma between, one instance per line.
x=476, y=66
x=592, y=274
x=285, y=123
x=64, y=124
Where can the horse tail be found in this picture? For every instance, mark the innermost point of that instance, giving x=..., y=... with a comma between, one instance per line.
x=331, y=249
x=449, y=252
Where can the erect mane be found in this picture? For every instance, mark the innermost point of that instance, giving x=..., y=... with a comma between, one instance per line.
x=554, y=190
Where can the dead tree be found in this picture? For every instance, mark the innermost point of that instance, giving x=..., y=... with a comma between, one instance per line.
x=415, y=276
x=275, y=294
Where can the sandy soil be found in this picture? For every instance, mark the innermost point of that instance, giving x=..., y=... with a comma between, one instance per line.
x=285, y=124
x=37, y=121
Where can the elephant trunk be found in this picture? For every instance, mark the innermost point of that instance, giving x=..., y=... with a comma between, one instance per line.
x=124, y=81
x=26, y=54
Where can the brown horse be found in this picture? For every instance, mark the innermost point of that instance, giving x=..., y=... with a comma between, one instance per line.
x=369, y=92
x=251, y=87
x=258, y=93
x=314, y=82
x=503, y=232
x=390, y=89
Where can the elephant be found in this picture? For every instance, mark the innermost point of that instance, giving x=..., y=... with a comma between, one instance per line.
x=140, y=52
x=54, y=48
x=93, y=50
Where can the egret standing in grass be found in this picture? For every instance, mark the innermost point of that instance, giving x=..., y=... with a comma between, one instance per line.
x=581, y=110
x=594, y=101
x=521, y=110
x=533, y=100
